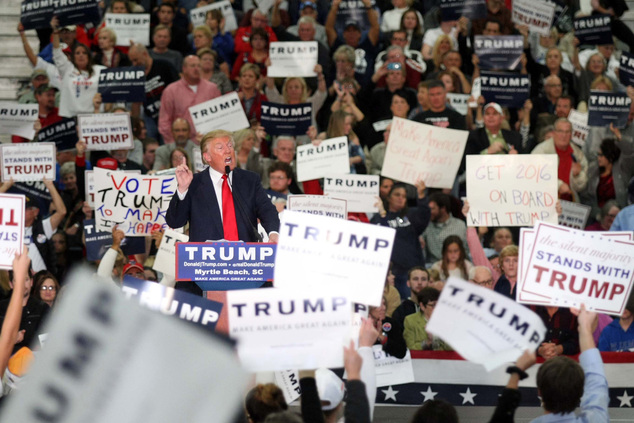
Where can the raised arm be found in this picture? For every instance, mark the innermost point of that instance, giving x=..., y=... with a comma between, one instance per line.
x=331, y=32
x=373, y=18
x=58, y=203
x=27, y=47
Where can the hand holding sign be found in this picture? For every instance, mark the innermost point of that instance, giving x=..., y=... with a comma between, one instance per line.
x=184, y=176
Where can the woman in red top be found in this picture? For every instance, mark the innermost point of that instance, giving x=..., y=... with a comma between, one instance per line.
x=259, y=41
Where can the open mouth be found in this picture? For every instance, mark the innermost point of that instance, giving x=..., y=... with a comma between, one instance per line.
x=228, y=160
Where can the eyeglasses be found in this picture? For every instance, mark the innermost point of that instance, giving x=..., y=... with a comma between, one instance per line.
x=484, y=283
x=48, y=288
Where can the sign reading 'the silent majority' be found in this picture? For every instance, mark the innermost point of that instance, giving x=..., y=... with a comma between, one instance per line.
x=106, y=131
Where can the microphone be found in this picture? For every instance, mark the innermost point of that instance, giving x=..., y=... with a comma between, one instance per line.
x=258, y=237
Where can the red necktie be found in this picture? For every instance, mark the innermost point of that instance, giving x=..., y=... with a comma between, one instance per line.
x=228, y=212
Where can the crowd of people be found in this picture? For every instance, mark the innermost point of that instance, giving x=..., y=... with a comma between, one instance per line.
x=402, y=59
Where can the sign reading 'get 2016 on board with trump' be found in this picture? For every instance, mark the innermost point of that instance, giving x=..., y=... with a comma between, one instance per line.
x=341, y=254
x=137, y=203
x=567, y=267
x=417, y=151
x=511, y=189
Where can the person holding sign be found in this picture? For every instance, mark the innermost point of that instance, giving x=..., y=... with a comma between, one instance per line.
x=573, y=166
x=80, y=76
x=409, y=224
x=562, y=383
x=208, y=200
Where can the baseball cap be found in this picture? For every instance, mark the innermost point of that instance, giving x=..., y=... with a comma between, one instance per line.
x=495, y=106
x=331, y=389
x=70, y=28
x=307, y=4
x=30, y=202
x=39, y=72
x=132, y=265
x=352, y=23
x=108, y=163
x=44, y=88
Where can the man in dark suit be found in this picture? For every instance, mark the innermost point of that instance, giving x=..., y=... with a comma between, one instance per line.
x=208, y=202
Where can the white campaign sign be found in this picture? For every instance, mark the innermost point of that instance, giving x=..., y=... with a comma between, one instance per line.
x=391, y=370
x=18, y=119
x=90, y=185
x=11, y=227
x=293, y=58
x=536, y=14
x=198, y=15
x=483, y=326
x=527, y=240
x=224, y=112
x=511, y=189
x=459, y=102
x=341, y=254
x=318, y=205
x=567, y=267
x=97, y=335
x=328, y=158
x=166, y=256
x=130, y=27
x=580, y=127
x=288, y=382
x=137, y=203
x=28, y=162
x=360, y=191
x=574, y=215
x=277, y=329
x=417, y=151
x=106, y=131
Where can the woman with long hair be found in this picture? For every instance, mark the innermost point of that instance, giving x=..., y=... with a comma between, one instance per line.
x=340, y=125
x=80, y=76
x=208, y=59
x=45, y=287
x=411, y=24
x=247, y=145
x=454, y=259
x=259, y=54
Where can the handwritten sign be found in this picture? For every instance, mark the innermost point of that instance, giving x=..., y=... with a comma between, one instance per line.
x=286, y=119
x=11, y=227
x=171, y=302
x=279, y=329
x=101, y=336
x=62, y=133
x=18, y=119
x=574, y=215
x=294, y=58
x=341, y=254
x=137, y=204
x=606, y=108
x=567, y=267
x=224, y=112
x=580, y=128
x=538, y=15
x=106, y=131
x=359, y=191
x=318, y=205
x=224, y=261
x=28, y=162
x=593, y=30
x=130, y=27
x=506, y=89
x=89, y=178
x=499, y=51
x=316, y=161
x=483, y=326
x=166, y=255
x=417, y=151
x=511, y=190
x=199, y=14
x=122, y=84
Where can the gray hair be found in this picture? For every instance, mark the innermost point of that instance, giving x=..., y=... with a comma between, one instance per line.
x=474, y=269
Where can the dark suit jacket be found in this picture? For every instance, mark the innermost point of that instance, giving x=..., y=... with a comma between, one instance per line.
x=200, y=208
x=478, y=141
